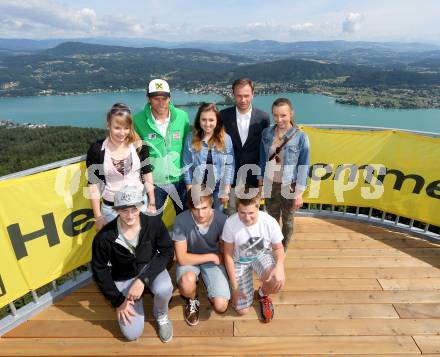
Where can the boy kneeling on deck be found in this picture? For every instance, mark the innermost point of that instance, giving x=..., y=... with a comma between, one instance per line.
x=253, y=242
x=130, y=255
x=197, y=243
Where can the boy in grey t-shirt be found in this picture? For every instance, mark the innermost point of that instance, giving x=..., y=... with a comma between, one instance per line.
x=196, y=236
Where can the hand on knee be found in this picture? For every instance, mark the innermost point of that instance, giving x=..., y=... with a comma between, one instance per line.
x=270, y=287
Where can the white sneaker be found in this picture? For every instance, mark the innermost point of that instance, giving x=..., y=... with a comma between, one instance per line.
x=164, y=327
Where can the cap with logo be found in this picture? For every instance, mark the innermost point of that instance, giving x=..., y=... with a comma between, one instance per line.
x=128, y=196
x=158, y=87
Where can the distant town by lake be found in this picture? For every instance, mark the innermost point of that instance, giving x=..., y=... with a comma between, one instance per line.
x=88, y=110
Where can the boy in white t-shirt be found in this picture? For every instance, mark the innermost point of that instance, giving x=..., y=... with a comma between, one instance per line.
x=253, y=242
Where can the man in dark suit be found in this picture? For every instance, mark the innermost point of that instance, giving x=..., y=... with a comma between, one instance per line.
x=244, y=125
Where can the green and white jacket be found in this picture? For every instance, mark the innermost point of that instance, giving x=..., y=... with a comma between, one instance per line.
x=165, y=153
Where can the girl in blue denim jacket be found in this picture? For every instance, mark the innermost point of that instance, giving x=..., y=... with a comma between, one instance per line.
x=208, y=155
x=284, y=163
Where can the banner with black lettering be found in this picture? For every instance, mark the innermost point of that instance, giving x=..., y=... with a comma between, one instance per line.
x=393, y=171
x=46, y=228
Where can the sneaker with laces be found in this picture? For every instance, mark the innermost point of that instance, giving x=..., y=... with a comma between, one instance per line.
x=164, y=327
x=191, y=313
x=266, y=306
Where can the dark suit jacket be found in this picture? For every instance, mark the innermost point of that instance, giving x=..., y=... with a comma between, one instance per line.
x=249, y=153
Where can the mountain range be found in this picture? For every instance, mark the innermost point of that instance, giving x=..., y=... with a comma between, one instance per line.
x=79, y=67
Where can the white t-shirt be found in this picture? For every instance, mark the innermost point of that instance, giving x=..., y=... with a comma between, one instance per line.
x=243, y=122
x=250, y=241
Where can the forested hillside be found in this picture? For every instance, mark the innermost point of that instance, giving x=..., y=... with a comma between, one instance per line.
x=23, y=148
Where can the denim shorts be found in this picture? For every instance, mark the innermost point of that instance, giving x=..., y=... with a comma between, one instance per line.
x=214, y=277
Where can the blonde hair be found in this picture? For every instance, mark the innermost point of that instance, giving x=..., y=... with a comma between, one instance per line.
x=120, y=113
x=254, y=200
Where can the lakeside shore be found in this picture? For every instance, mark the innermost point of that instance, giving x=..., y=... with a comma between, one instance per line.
x=390, y=98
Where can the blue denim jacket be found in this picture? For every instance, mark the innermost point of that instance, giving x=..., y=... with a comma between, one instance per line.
x=296, y=156
x=195, y=162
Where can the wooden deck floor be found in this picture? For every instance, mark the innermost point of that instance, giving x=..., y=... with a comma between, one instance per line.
x=351, y=289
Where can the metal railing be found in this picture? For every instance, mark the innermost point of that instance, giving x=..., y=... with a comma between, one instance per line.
x=77, y=280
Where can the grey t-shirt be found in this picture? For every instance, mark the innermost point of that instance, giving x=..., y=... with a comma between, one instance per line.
x=197, y=243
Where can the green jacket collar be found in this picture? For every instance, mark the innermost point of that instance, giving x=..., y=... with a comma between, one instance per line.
x=149, y=116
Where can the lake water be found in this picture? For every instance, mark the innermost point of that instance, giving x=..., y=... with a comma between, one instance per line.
x=88, y=110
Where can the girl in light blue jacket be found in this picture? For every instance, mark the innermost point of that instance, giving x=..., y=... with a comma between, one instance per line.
x=208, y=155
x=284, y=163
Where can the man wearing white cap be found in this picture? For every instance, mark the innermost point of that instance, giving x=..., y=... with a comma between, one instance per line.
x=164, y=128
x=130, y=255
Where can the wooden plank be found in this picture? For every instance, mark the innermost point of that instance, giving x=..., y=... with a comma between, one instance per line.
x=311, y=296
x=387, y=262
x=418, y=311
x=97, y=299
x=353, y=235
x=293, y=284
x=356, y=297
x=428, y=344
x=410, y=284
x=322, y=311
x=351, y=355
x=364, y=272
x=363, y=243
x=332, y=228
x=364, y=252
x=354, y=327
x=205, y=346
x=84, y=299
x=108, y=328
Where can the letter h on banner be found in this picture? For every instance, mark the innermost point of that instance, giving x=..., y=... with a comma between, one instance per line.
x=2, y=287
x=18, y=239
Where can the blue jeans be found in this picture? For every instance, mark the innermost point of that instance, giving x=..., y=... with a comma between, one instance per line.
x=162, y=289
x=176, y=191
x=216, y=200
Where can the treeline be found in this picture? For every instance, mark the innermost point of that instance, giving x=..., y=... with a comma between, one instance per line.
x=299, y=71
x=392, y=79
x=23, y=148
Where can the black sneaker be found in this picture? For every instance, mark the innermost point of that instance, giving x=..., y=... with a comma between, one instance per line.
x=191, y=313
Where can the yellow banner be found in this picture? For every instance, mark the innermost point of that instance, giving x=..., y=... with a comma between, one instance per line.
x=46, y=224
x=46, y=229
x=392, y=171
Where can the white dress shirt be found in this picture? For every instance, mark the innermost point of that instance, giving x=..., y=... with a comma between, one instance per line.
x=243, y=121
x=162, y=126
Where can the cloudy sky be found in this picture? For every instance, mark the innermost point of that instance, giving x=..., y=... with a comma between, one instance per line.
x=227, y=20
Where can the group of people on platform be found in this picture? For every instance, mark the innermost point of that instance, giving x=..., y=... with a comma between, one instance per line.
x=215, y=176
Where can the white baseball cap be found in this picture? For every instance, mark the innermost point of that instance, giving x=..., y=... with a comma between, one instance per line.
x=158, y=87
x=128, y=196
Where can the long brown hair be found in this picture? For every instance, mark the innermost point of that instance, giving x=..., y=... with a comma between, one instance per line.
x=217, y=138
x=121, y=114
